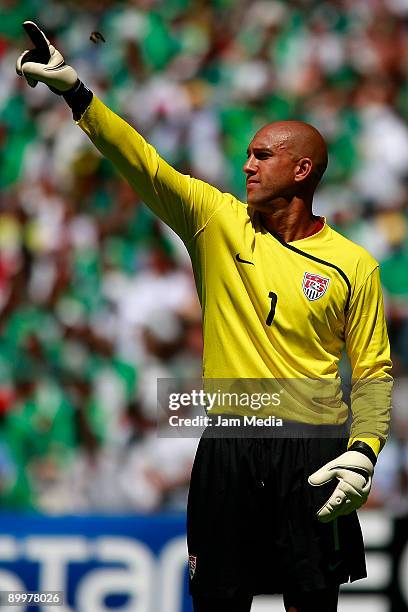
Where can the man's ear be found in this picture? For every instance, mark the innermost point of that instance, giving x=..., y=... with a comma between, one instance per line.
x=303, y=169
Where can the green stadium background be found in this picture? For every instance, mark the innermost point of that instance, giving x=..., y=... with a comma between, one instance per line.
x=97, y=298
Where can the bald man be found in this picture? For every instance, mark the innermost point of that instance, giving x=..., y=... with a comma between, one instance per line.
x=273, y=495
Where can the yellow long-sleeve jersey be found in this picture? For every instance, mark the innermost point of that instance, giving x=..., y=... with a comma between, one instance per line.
x=271, y=310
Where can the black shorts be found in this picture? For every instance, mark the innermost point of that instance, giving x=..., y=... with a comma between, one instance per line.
x=251, y=520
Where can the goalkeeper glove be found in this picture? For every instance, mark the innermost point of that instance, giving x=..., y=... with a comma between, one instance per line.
x=45, y=63
x=354, y=470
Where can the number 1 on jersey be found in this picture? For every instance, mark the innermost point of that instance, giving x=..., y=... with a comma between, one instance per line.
x=274, y=299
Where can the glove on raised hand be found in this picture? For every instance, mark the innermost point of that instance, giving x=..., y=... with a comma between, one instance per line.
x=44, y=63
x=354, y=471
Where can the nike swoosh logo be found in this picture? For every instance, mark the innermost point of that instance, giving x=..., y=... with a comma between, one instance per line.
x=237, y=257
x=334, y=566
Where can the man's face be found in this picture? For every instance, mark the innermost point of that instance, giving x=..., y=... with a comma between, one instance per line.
x=270, y=169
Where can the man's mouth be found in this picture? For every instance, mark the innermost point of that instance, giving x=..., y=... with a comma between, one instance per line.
x=251, y=183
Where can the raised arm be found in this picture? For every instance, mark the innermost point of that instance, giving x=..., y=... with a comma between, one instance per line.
x=184, y=203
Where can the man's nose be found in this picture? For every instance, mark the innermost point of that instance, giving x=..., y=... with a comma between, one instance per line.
x=250, y=165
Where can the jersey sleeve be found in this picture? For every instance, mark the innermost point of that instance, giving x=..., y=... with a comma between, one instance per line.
x=368, y=349
x=184, y=203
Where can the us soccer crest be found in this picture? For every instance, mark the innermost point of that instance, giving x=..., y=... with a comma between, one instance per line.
x=192, y=564
x=314, y=285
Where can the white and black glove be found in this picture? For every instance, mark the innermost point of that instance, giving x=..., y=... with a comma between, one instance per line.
x=354, y=470
x=45, y=63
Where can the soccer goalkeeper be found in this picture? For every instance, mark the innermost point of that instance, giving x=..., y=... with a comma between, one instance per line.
x=282, y=293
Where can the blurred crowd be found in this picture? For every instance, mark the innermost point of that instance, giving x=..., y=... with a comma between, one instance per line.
x=97, y=299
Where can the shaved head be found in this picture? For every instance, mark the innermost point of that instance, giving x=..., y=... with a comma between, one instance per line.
x=286, y=160
x=300, y=140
